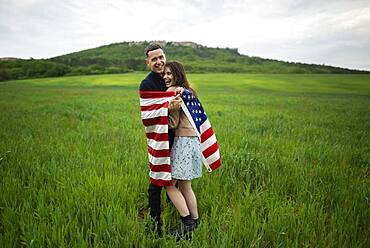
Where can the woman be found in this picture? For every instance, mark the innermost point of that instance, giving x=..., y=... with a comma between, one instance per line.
x=186, y=156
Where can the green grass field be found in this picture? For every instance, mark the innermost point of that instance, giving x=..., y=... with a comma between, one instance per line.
x=295, y=148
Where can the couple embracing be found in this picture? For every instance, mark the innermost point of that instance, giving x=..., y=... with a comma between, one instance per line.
x=179, y=138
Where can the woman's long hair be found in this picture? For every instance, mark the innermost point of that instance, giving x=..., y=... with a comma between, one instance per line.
x=179, y=75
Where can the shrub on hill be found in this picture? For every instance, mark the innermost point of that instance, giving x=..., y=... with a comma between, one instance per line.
x=129, y=56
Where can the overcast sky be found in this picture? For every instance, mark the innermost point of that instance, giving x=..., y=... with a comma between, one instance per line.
x=331, y=32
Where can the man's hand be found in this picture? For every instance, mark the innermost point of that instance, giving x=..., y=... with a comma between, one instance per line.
x=175, y=103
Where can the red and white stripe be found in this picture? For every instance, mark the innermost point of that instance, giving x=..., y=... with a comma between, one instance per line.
x=154, y=114
x=208, y=142
x=209, y=147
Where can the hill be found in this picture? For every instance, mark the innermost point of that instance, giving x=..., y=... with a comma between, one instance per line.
x=128, y=56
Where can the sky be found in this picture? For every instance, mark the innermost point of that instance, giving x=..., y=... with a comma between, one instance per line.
x=330, y=32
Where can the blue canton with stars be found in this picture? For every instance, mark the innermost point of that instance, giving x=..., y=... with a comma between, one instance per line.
x=195, y=108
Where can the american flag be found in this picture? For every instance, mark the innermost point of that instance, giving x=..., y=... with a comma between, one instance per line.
x=198, y=118
x=154, y=114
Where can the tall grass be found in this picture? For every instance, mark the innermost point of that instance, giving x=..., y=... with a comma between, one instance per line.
x=296, y=155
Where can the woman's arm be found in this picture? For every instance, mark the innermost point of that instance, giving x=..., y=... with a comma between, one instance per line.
x=173, y=118
x=173, y=114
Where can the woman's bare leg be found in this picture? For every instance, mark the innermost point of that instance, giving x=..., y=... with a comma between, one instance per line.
x=191, y=200
x=177, y=199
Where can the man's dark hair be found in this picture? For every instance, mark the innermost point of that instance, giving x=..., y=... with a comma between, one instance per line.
x=152, y=47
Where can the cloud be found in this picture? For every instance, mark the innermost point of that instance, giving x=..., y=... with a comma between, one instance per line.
x=340, y=39
x=325, y=32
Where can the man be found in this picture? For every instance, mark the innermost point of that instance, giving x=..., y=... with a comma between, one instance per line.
x=155, y=60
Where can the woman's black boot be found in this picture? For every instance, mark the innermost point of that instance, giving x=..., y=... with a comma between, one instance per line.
x=185, y=229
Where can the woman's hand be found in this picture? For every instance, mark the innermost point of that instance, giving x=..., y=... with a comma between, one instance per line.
x=179, y=91
x=175, y=103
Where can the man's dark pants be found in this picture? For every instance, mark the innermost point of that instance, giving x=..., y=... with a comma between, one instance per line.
x=154, y=191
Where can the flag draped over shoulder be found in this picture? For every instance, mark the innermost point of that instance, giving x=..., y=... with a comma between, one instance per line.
x=198, y=118
x=154, y=114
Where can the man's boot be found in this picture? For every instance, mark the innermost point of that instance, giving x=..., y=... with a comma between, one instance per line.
x=154, y=227
x=157, y=228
